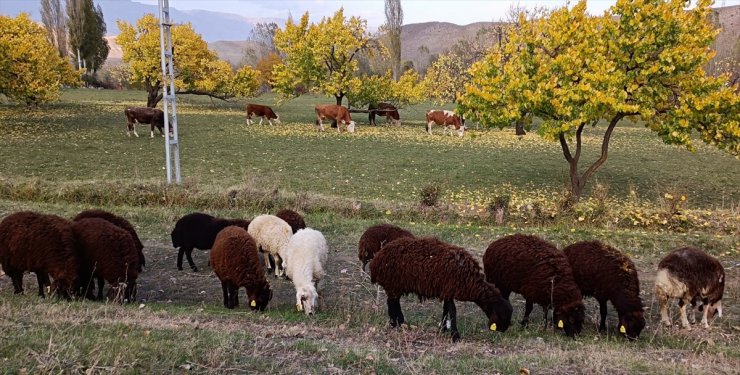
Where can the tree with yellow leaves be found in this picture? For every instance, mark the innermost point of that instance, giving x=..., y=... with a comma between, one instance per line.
x=321, y=57
x=31, y=70
x=407, y=91
x=641, y=61
x=198, y=70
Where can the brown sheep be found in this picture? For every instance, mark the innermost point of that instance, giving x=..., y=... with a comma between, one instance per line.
x=538, y=271
x=606, y=274
x=108, y=253
x=294, y=219
x=119, y=222
x=690, y=274
x=235, y=261
x=431, y=268
x=375, y=237
x=198, y=231
x=43, y=244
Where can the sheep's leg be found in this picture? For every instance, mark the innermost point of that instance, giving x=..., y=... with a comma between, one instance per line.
x=101, y=285
x=663, y=301
x=43, y=279
x=527, y=310
x=394, y=312
x=682, y=313
x=453, y=320
x=602, y=311
x=270, y=260
x=17, y=278
x=445, y=324
x=545, y=311
x=234, y=291
x=227, y=299
x=180, y=253
x=189, y=255
x=279, y=271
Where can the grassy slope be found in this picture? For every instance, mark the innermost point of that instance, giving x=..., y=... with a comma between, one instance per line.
x=183, y=325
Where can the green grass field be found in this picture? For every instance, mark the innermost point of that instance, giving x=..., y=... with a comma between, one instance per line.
x=74, y=154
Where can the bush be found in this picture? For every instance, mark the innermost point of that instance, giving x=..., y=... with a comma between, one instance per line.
x=430, y=195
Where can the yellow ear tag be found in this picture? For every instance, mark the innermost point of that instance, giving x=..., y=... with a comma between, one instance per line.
x=253, y=303
x=622, y=330
x=299, y=306
x=560, y=324
x=493, y=327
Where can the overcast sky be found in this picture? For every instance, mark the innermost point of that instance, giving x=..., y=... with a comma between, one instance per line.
x=461, y=12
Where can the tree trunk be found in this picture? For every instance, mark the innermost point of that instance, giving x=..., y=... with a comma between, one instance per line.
x=153, y=94
x=577, y=182
x=339, y=98
x=520, y=128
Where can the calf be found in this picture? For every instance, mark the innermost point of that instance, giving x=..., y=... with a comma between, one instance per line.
x=145, y=115
x=334, y=112
x=384, y=109
x=263, y=112
x=690, y=274
x=448, y=120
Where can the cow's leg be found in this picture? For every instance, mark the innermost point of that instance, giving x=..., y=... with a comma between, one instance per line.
x=339, y=125
x=321, y=125
x=134, y=126
x=270, y=121
x=429, y=127
x=249, y=118
x=151, y=130
x=261, y=118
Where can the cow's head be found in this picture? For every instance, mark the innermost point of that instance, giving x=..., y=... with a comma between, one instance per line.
x=351, y=127
x=277, y=119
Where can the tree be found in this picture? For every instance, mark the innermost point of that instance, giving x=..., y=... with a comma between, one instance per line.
x=198, y=70
x=393, y=22
x=641, y=61
x=321, y=57
x=408, y=90
x=87, y=29
x=31, y=70
x=263, y=36
x=55, y=23
x=446, y=78
x=265, y=67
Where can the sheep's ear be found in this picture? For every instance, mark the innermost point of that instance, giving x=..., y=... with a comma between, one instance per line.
x=253, y=303
x=560, y=324
x=622, y=329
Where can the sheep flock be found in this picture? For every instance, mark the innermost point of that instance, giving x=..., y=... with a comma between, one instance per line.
x=74, y=259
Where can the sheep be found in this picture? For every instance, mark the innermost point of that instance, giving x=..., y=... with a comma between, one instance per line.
x=375, y=237
x=271, y=234
x=689, y=274
x=121, y=223
x=294, y=219
x=108, y=253
x=305, y=257
x=235, y=261
x=538, y=271
x=431, y=268
x=606, y=274
x=198, y=231
x=43, y=244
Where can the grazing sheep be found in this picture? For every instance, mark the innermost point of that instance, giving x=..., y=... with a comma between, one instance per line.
x=119, y=222
x=198, y=231
x=540, y=272
x=690, y=274
x=271, y=234
x=375, y=237
x=235, y=261
x=431, y=268
x=294, y=219
x=606, y=274
x=108, y=253
x=305, y=255
x=42, y=244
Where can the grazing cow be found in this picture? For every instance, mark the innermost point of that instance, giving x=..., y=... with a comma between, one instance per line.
x=263, y=112
x=145, y=115
x=386, y=109
x=448, y=120
x=334, y=112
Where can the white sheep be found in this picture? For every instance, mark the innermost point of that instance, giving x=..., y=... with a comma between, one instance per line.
x=305, y=256
x=271, y=234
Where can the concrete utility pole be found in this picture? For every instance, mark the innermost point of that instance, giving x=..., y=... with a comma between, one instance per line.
x=171, y=145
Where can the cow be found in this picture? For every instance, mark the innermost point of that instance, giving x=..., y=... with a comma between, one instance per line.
x=145, y=115
x=263, y=112
x=335, y=112
x=448, y=120
x=386, y=109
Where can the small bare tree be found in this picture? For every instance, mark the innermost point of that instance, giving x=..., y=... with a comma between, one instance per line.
x=55, y=23
x=393, y=22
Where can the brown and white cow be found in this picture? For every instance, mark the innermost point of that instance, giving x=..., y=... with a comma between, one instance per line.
x=263, y=112
x=334, y=112
x=448, y=120
x=384, y=109
x=145, y=115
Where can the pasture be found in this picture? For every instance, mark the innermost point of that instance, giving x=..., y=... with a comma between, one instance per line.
x=68, y=156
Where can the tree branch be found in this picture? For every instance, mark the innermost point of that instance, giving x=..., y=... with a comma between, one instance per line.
x=604, y=147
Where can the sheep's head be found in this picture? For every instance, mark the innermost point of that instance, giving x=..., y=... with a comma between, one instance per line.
x=497, y=309
x=260, y=298
x=307, y=299
x=570, y=317
x=631, y=324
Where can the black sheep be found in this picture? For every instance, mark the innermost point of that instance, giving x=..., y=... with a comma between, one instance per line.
x=375, y=237
x=198, y=231
x=119, y=222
